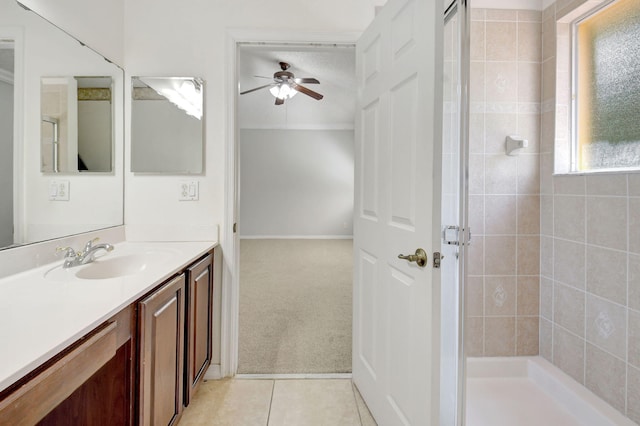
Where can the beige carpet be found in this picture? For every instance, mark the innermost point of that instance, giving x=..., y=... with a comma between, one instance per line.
x=295, y=306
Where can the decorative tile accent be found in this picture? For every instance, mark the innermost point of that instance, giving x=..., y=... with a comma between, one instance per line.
x=607, y=326
x=604, y=325
x=499, y=296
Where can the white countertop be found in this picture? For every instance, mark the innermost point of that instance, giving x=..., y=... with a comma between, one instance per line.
x=40, y=316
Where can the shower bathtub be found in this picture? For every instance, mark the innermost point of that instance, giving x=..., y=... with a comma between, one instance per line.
x=526, y=391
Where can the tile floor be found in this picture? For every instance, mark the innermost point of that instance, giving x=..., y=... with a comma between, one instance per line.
x=249, y=402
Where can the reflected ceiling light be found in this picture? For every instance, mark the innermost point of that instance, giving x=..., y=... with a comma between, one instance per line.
x=185, y=93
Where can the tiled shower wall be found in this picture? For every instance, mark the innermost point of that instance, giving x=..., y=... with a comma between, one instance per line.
x=590, y=246
x=504, y=202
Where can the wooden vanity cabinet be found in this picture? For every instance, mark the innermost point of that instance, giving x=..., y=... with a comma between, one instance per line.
x=161, y=354
x=198, y=345
x=89, y=383
x=141, y=367
x=175, y=343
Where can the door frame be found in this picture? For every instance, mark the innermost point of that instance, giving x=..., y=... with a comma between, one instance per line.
x=230, y=306
x=461, y=8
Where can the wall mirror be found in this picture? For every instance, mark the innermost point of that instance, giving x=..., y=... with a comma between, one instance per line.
x=37, y=203
x=76, y=129
x=167, y=125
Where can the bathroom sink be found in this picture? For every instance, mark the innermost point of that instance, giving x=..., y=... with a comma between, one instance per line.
x=109, y=266
x=112, y=267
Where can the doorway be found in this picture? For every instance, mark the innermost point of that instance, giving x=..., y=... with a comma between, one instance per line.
x=409, y=83
x=295, y=162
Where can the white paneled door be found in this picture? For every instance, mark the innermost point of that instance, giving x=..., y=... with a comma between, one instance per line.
x=397, y=210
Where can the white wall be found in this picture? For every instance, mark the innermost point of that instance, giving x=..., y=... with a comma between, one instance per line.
x=163, y=38
x=296, y=183
x=99, y=24
x=6, y=164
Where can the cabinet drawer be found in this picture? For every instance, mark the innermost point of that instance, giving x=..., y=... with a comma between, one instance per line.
x=31, y=402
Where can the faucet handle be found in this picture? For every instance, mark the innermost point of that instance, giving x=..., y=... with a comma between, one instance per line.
x=90, y=243
x=69, y=252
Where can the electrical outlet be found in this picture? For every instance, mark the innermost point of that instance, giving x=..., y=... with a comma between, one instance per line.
x=59, y=190
x=188, y=190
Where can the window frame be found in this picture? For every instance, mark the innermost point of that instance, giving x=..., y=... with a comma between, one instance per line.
x=574, y=136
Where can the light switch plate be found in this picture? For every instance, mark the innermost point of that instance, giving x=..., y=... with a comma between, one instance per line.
x=59, y=190
x=188, y=190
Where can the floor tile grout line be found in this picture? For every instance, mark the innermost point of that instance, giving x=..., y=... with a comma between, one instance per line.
x=273, y=389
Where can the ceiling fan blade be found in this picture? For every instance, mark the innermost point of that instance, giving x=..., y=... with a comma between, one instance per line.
x=306, y=80
x=257, y=88
x=308, y=92
x=279, y=101
x=262, y=76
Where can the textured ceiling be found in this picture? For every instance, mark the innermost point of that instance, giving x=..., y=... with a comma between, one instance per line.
x=334, y=67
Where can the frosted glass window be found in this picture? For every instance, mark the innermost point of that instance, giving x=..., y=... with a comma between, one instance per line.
x=607, y=127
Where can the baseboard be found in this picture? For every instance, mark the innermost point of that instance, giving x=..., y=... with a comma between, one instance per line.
x=213, y=373
x=296, y=237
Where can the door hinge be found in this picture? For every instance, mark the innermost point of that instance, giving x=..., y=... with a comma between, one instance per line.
x=235, y=227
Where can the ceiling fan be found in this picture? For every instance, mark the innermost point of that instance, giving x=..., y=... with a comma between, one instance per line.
x=285, y=85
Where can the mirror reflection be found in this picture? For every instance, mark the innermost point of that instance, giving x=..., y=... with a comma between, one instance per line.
x=76, y=131
x=6, y=141
x=38, y=205
x=167, y=125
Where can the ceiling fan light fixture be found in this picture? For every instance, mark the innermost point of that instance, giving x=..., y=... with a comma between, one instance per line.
x=283, y=91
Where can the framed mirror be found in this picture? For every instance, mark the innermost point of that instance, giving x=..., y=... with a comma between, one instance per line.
x=167, y=126
x=38, y=203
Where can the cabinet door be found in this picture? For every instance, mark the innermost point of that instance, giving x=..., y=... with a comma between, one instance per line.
x=199, y=317
x=161, y=354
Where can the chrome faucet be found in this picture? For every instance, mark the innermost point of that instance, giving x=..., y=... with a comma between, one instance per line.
x=74, y=258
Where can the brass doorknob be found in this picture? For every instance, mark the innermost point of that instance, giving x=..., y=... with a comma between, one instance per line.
x=420, y=257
